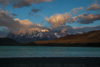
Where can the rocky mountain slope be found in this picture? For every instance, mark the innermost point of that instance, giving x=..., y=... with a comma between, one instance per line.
x=34, y=36
x=92, y=37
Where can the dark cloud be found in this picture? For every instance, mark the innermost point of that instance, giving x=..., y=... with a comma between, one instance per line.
x=3, y=32
x=17, y=25
x=86, y=18
x=64, y=30
x=86, y=29
x=94, y=6
x=8, y=21
x=25, y=26
x=29, y=14
x=35, y=10
x=14, y=14
x=21, y=3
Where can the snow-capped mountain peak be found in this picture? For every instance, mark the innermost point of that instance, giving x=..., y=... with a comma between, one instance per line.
x=33, y=36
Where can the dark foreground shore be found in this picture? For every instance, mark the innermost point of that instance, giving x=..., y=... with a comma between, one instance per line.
x=51, y=62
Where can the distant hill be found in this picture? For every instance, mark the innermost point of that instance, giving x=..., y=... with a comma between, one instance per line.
x=7, y=42
x=11, y=42
x=90, y=35
x=87, y=39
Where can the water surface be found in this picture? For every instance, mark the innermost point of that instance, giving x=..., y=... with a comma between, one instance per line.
x=34, y=51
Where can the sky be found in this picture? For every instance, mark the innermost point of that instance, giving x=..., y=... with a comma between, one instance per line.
x=49, y=13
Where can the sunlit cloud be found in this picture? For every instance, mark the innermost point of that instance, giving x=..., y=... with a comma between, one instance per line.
x=17, y=25
x=94, y=6
x=76, y=10
x=58, y=19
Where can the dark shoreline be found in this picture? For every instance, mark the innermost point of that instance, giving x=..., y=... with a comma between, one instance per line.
x=51, y=62
x=68, y=45
x=58, y=45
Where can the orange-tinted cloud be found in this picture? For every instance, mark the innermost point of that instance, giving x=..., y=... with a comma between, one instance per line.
x=94, y=6
x=76, y=10
x=17, y=25
x=58, y=19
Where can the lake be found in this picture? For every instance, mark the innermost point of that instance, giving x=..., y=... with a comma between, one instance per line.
x=36, y=51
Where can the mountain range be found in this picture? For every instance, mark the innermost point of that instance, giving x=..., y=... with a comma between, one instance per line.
x=34, y=36
x=91, y=39
x=85, y=39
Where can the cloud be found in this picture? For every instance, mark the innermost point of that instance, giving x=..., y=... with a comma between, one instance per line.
x=3, y=32
x=34, y=10
x=58, y=19
x=86, y=29
x=94, y=6
x=24, y=22
x=17, y=25
x=86, y=18
x=76, y=10
x=14, y=14
x=64, y=30
x=7, y=20
x=21, y=3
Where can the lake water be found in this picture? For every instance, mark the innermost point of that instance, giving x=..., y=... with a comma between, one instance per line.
x=32, y=51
